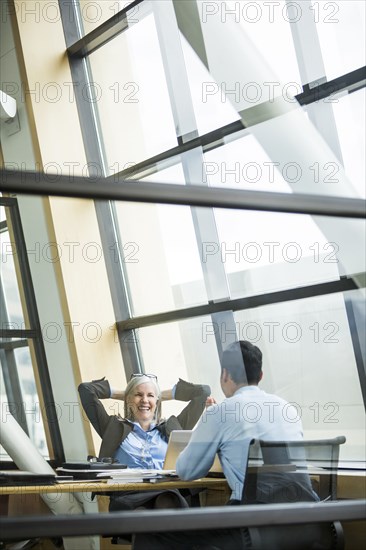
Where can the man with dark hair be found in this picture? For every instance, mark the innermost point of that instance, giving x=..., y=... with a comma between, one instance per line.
x=226, y=429
x=247, y=413
x=243, y=361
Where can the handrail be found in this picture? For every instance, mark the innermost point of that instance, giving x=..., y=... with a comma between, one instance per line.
x=151, y=521
x=40, y=183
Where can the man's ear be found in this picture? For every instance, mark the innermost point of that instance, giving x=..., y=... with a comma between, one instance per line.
x=261, y=376
x=224, y=375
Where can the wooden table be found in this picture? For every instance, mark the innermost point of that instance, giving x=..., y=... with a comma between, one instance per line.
x=105, y=487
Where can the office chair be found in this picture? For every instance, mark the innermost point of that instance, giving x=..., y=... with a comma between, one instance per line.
x=293, y=471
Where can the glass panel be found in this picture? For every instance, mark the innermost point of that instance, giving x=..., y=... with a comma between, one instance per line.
x=341, y=30
x=243, y=163
x=161, y=257
x=268, y=31
x=211, y=108
x=264, y=252
x=3, y=398
x=255, y=159
x=132, y=97
x=274, y=118
x=268, y=25
x=258, y=159
x=350, y=116
x=184, y=352
x=2, y=213
x=10, y=284
x=32, y=405
x=261, y=252
x=169, y=170
x=308, y=359
x=28, y=408
x=94, y=14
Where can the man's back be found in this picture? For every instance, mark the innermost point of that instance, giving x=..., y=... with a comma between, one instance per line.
x=228, y=428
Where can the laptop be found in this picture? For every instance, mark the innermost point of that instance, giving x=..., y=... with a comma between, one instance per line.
x=24, y=478
x=178, y=441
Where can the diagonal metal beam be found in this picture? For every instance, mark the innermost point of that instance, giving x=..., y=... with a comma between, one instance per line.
x=108, y=30
x=240, y=304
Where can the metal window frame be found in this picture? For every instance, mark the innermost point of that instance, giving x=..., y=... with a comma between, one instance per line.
x=354, y=320
x=310, y=60
x=97, y=188
x=34, y=333
x=348, y=83
x=344, y=284
x=181, y=103
x=9, y=367
x=112, y=27
x=79, y=47
x=90, y=127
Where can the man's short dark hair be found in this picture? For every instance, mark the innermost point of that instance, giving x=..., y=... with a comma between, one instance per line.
x=243, y=361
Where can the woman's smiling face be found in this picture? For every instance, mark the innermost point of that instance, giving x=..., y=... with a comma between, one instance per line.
x=143, y=402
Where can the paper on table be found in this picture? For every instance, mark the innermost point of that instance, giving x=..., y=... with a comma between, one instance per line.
x=129, y=473
x=133, y=475
x=71, y=480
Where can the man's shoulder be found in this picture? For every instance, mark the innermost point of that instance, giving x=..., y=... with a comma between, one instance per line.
x=272, y=397
x=255, y=394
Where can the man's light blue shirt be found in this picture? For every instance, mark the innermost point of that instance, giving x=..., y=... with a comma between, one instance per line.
x=227, y=429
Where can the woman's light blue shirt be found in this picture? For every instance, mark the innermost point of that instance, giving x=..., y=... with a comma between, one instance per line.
x=142, y=449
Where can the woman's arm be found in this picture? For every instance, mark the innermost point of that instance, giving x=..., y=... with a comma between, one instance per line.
x=197, y=395
x=167, y=395
x=117, y=394
x=90, y=395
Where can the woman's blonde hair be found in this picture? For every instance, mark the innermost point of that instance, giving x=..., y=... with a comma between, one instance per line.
x=133, y=383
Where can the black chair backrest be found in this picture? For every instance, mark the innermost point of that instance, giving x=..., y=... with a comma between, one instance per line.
x=279, y=471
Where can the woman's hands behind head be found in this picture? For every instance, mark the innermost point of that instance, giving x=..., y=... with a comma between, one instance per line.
x=210, y=401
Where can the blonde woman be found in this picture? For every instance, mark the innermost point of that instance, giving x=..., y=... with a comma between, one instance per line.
x=139, y=439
